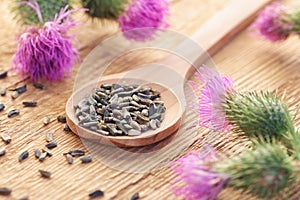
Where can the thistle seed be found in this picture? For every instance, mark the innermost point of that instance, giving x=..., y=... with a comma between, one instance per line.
x=2, y=106
x=44, y=173
x=13, y=113
x=67, y=128
x=86, y=159
x=20, y=89
x=136, y=196
x=76, y=153
x=6, y=138
x=2, y=152
x=39, y=86
x=43, y=156
x=48, y=151
x=23, y=156
x=95, y=194
x=49, y=137
x=37, y=153
x=15, y=95
x=46, y=120
x=61, y=119
x=3, y=75
x=69, y=158
x=5, y=191
x=3, y=91
x=51, y=145
x=29, y=103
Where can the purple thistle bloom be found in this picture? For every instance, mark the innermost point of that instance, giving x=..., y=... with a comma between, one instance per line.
x=196, y=178
x=47, y=51
x=143, y=18
x=271, y=24
x=211, y=99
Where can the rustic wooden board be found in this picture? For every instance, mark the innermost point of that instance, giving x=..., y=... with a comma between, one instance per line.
x=253, y=64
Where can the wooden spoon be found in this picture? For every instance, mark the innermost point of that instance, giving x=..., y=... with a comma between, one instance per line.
x=212, y=36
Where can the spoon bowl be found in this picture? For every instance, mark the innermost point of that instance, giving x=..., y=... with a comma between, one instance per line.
x=169, y=125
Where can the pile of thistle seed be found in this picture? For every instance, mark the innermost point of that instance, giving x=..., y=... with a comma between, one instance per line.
x=121, y=110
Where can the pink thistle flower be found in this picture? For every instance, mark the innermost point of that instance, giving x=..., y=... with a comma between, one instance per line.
x=272, y=24
x=47, y=51
x=143, y=18
x=211, y=99
x=196, y=178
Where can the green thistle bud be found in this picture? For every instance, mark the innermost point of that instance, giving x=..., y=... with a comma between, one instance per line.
x=266, y=172
x=258, y=115
x=104, y=9
x=27, y=15
x=294, y=19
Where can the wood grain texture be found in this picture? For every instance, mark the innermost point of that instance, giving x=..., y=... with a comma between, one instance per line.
x=253, y=64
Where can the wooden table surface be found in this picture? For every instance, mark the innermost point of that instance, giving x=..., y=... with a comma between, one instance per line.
x=251, y=62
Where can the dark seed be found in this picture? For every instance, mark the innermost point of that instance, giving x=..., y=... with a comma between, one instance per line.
x=20, y=89
x=37, y=153
x=3, y=91
x=13, y=113
x=106, y=86
x=6, y=138
x=48, y=151
x=86, y=159
x=39, y=86
x=2, y=152
x=69, y=158
x=46, y=120
x=3, y=74
x=51, y=145
x=61, y=119
x=67, y=128
x=43, y=156
x=76, y=152
x=2, y=106
x=5, y=191
x=23, y=156
x=45, y=174
x=95, y=194
x=136, y=196
x=30, y=103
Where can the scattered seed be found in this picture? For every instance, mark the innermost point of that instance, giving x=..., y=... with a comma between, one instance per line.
x=39, y=86
x=30, y=103
x=61, y=119
x=46, y=120
x=51, y=145
x=86, y=159
x=67, y=128
x=76, y=153
x=5, y=191
x=44, y=173
x=23, y=156
x=97, y=193
x=69, y=158
x=2, y=152
x=15, y=95
x=6, y=138
x=13, y=113
x=20, y=89
x=48, y=151
x=2, y=106
x=136, y=196
x=3, y=91
x=43, y=156
x=3, y=74
x=37, y=153
x=49, y=137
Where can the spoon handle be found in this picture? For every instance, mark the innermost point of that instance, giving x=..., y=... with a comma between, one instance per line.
x=217, y=31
